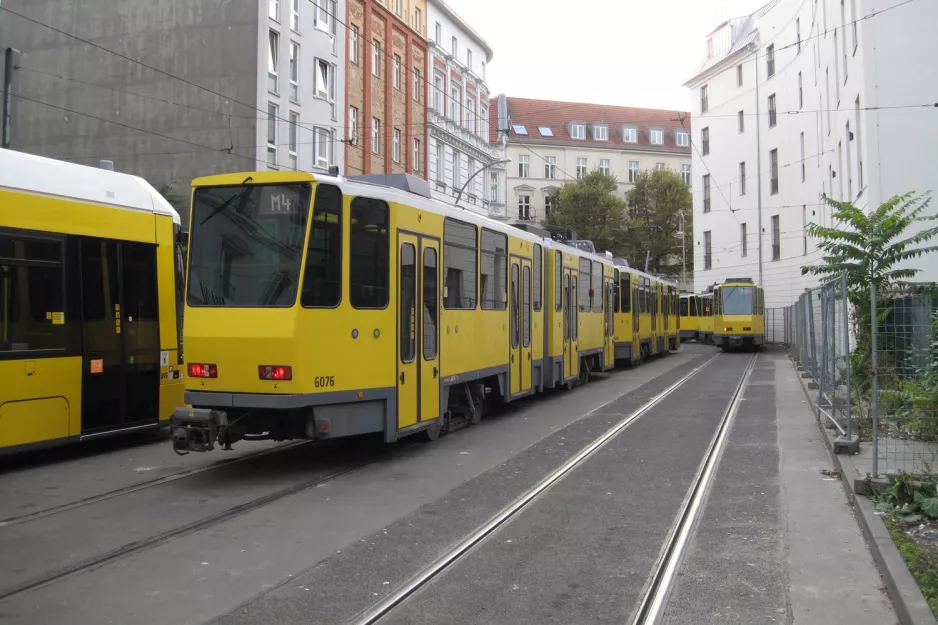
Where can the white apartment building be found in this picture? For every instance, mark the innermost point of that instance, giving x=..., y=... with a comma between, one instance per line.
x=551, y=142
x=457, y=113
x=301, y=43
x=800, y=99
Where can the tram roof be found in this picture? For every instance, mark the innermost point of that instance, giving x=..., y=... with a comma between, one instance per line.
x=47, y=176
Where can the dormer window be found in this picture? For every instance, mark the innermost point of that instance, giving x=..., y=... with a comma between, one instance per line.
x=577, y=131
x=600, y=132
x=681, y=139
x=519, y=129
x=545, y=131
x=630, y=134
x=656, y=136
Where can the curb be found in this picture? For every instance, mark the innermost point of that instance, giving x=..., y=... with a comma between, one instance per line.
x=907, y=599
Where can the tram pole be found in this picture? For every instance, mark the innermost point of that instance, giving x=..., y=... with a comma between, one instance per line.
x=6, y=141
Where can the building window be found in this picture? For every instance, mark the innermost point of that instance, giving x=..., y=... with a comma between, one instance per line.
x=802, y=157
x=550, y=167
x=353, y=44
x=273, y=62
x=397, y=72
x=322, y=148
x=398, y=7
x=742, y=178
x=418, y=20
x=295, y=15
x=454, y=102
x=660, y=166
x=545, y=131
x=484, y=121
x=705, y=140
x=548, y=204
x=375, y=135
x=708, y=258
x=604, y=166
x=741, y=121
x=439, y=34
x=682, y=139
x=524, y=207
x=704, y=102
x=773, y=116
x=469, y=59
x=417, y=84
x=438, y=93
x=657, y=136
x=396, y=146
x=352, y=125
x=457, y=169
x=633, y=171
x=524, y=166
x=770, y=60
x=493, y=187
x=800, y=93
x=804, y=229
x=856, y=137
x=470, y=113
x=417, y=155
x=376, y=58
x=776, y=239
x=706, y=193
x=323, y=80
x=773, y=169
x=471, y=167
x=742, y=240
x=440, y=158
x=580, y=168
x=739, y=75
x=294, y=72
x=577, y=131
x=272, y=115
x=629, y=134
x=321, y=16
x=685, y=174
x=853, y=13
x=600, y=133
x=273, y=9
x=455, y=49
x=798, y=33
x=294, y=125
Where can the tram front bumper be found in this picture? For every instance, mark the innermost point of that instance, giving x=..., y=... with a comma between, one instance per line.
x=196, y=429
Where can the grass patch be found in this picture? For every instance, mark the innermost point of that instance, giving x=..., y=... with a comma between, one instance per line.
x=920, y=556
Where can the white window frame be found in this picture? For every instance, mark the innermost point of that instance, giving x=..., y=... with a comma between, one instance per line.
x=353, y=125
x=685, y=174
x=417, y=84
x=416, y=163
x=524, y=166
x=397, y=71
x=376, y=58
x=581, y=165
x=439, y=34
x=739, y=75
x=354, y=44
x=705, y=184
x=600, y=132
x=457, y=169
x=273, y=10
x=630, y=134
x=273, y=62
x=418, y=20
x=773, y=111
x=741, y=122
x=743, y=240
x=292, y=138
x=294, y=91
x=321, y=15
x=455, y=101
x=578, y=131
x=470, y=121
x=742, y=177
x=682, y=139
x=396, y=146
x=398, y=7
x=704, y=100
x=633, y=171
x=493, y=187
x=484, y=121
x=273, y=114
x=656, y=136
x=550, y=167
x=439, y=93
x=604, y=166
x=322, y=142
x=524, y=207
x=660, y=166
x=454, y=50
x=325, y=75
x=295, y=15
x=469, y=59
x=375, y=135
x=440, y=158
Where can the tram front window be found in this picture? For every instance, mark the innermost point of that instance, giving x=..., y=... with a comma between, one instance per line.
x=246, y=243
x=737, y=300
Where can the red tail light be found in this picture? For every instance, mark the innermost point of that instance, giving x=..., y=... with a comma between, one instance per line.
x=199, y=370
x=275, y=372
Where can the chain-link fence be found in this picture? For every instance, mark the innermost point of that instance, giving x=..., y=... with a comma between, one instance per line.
x=886, y=398
x=776, y=326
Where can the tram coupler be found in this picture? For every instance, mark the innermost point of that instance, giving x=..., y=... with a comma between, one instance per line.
x=196, y=429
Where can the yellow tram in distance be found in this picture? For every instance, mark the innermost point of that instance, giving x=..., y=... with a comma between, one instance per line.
x=697, y=317
x=738, y=314
x=90, y=315
x=321, y=306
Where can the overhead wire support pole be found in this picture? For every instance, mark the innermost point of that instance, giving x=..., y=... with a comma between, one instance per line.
x=6, y=120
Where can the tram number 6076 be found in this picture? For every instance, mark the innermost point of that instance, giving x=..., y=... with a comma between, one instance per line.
x=324, y=381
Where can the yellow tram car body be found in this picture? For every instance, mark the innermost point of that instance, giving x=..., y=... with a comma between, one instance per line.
x=320, y=306
x=90, y=274
x=690, y=321
x=739, y=314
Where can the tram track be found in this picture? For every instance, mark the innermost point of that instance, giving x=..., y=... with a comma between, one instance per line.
x=376, y=612
x=133, y=488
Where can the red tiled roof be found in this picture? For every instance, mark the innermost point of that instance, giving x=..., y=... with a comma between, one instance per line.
x=557, y=115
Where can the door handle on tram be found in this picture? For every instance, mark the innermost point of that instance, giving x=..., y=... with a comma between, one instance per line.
x=402, y=377
x=529, y=355
x=512, y=358
x=435, y=372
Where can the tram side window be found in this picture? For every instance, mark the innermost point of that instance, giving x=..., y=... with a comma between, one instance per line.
x=685, y=306
x=558, y=275
x=32, y=312
x=430, y=291
x=584, y=290
x=494, y=271
x=322, y=282
x=369, y=245
x=626, y=281
x=538, y=274
x=597, y=287
x=408, y=302
x=615, y=291
x=460, y=257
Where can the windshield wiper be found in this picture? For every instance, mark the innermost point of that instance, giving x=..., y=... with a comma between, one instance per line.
x=227, y=202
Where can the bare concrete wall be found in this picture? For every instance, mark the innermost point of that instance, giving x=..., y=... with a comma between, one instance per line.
x=212, y=43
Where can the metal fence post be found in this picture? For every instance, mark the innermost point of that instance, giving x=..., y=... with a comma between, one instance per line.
x=843, y=293
x=812, y=343
x=822, y=368
x=874, y=404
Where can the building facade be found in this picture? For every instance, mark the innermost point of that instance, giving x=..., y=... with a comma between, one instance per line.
x=192, y=99
x=457, y=132
x=551, y=142
x=386, y=87
x=797, y=101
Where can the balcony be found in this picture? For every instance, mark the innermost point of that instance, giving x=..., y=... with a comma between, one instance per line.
x=460, y=132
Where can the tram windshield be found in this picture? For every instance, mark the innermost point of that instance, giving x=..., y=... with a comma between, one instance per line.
x=246, y=243
x=737, y=300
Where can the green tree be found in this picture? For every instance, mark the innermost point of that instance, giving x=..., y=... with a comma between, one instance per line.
x=656, y=204
x=591, y=208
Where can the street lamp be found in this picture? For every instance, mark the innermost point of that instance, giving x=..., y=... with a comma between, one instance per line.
x=478, y=171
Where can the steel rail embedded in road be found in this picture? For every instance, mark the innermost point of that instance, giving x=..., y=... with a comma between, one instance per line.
x=657, y=588
x=126, y=490
x=380, y=609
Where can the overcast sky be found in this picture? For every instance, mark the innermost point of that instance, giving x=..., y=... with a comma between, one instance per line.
x=618, y=52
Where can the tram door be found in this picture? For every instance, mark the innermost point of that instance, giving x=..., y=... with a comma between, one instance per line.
x=610, y=325
x=570, y=309
x=418, y=373
x=120, y=335
x=520, y=362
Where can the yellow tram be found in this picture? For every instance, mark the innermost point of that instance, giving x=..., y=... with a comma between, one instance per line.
x=739, y=314
x=319, y=306
x=90, y=279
